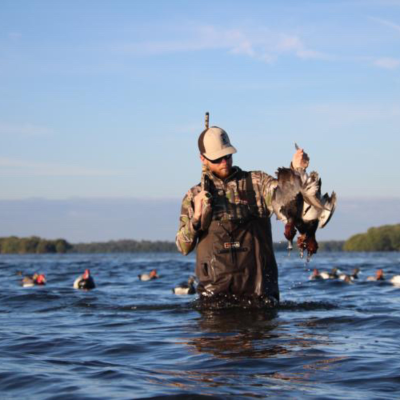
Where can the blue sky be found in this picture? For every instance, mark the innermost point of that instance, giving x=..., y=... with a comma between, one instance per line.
x=107, y=98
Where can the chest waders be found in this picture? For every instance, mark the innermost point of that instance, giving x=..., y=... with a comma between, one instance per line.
x=236, y=256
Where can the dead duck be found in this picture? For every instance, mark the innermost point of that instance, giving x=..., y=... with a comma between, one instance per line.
x=379, y=276
x=36, y=279
x=147, y=277
x=185, y=287
x=297, y=202
x=85, y=281
x=314, y=217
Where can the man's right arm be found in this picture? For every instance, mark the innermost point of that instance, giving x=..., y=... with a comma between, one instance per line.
x=187, y=235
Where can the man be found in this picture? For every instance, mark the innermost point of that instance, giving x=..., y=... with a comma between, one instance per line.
x=234, y=246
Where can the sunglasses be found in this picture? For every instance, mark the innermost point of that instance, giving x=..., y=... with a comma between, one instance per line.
x=219, y=160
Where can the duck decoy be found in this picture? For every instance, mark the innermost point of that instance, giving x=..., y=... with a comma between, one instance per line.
x=36, y=279
x=395, y=280
x=149, y=276
x=185, y=287
x=330, y=275
x=85, y=281
x=352, y=276
x=315, y=275
x=379, y=276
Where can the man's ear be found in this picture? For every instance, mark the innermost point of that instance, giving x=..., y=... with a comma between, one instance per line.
x=203, y=159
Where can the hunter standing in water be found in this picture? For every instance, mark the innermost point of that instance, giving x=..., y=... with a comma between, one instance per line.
x=228, y=217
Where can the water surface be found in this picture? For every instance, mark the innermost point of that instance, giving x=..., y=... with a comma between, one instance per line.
x=130, y=339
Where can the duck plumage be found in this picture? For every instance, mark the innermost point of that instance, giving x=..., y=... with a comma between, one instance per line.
x=85, y=281
x=379, y=276
x=330, y=275
x=185, y=287
x=298, y=203
x=147, y=277
x=36, y=279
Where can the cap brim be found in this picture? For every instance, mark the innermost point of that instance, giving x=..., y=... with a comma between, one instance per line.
x=220, y=153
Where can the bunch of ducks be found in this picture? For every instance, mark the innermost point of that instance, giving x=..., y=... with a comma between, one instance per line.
x=182, y=289
x=297, y=201
x=349, y=278
x=83, y=282
x=86, y=282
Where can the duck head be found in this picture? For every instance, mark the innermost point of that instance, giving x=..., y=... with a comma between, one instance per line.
x=315, y=273
x=311, y=246
x=153, y=274
x=379, y=275
x=302, y=243
x=40, y=279
x=86, y=274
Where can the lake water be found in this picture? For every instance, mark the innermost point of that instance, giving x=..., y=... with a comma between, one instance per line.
x=129, y=339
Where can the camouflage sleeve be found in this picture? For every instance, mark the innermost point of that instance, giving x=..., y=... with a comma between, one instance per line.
x=268, y=186
x=186, y=238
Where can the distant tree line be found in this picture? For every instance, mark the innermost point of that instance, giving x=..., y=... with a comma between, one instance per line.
x=126, y=246
x=33, y=244
x=37, y=245
x=383, y=238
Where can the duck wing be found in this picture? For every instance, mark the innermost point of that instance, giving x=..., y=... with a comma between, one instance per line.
x=285, y=199
x=329, y=203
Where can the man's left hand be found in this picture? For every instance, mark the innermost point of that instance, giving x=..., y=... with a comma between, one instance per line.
x=300, y=159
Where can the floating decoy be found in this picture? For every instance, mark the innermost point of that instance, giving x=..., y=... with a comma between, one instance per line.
x=352, y=276
x=185, y=287
x=149, y=276
x=85, y=281
x=315, y=275
x=330, y=275
x=379, y=276
x=395, y=280
x=36, y=279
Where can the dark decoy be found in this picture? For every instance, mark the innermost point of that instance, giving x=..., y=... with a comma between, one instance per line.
x=85, y=281
x=185, y=287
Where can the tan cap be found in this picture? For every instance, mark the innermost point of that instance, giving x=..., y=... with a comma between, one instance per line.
x=214, y=143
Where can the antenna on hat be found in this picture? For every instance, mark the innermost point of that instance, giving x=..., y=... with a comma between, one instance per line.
x=207, y=119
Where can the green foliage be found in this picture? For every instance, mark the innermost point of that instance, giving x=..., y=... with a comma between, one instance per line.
x=37, y=245
x=126, y=246
x=32, y=245
x=384, y=238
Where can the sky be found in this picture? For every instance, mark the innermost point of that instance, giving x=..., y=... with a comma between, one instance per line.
x=106, y=99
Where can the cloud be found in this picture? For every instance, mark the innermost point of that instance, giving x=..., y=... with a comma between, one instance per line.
x=24, y=129
x=385, y=22
x=259, y=44
x=387, y=63
x=349, y=113
x=14, y=35
x=14, y=167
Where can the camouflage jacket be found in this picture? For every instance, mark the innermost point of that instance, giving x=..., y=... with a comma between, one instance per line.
x=229, y=203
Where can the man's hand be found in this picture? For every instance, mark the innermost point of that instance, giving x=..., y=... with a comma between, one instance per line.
x=200, y=199
x=300, y=160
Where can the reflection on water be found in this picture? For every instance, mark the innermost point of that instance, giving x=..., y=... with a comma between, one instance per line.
x=249, y=347
x=234, y=333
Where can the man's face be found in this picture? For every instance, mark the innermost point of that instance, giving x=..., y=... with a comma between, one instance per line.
x=222, y=169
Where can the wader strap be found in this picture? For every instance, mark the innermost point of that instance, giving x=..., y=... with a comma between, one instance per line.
x=251, y=195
